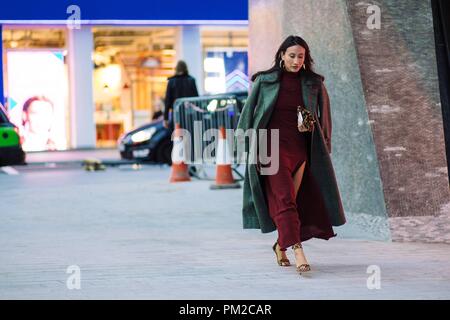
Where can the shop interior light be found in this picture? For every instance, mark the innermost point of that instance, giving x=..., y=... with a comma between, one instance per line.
x=215, y=84
x=105, y=88
x=214, y=65
x=151, y=62
x=111, y=76
x=168, y=51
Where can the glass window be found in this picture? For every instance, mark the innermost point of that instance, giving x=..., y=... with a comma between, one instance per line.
x=225, y=59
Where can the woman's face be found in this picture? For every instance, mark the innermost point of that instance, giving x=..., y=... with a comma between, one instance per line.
x=293, y=58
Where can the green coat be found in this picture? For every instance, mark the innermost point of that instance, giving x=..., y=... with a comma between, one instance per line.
x=319, y=189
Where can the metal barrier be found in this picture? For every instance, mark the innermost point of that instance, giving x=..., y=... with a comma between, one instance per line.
x=213, y=112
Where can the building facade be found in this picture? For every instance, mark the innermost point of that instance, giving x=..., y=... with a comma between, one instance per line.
x=87, y=72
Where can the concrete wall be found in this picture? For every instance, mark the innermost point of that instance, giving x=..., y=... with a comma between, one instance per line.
x=398, y=69
x=383, y=89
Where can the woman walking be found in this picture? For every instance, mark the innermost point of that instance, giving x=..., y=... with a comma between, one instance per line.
x=301, y=200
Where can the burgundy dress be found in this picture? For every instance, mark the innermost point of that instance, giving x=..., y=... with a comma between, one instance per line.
x=293, y=152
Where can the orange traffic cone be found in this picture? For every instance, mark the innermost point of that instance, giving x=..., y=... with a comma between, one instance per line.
x=224, y=174
x=180, y=171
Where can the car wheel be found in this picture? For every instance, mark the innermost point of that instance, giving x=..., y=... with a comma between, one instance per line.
x=164, y=152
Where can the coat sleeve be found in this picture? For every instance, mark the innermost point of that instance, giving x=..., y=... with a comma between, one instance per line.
x=325, y=115
x=246, y=117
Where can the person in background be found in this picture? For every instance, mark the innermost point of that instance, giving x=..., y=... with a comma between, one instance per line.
x=180, y=85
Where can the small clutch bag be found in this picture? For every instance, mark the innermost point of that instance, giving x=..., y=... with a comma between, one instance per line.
x=305, y=119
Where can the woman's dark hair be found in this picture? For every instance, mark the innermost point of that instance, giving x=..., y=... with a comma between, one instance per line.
x=181, y=68
x=289, y=42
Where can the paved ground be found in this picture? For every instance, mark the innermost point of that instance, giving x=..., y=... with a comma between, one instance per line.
x=72, y=155
x=135, y=236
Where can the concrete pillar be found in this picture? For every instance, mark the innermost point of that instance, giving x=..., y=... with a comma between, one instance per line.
x=82, y=123
x=397, y=65
x=265, y=32
x=188, y=47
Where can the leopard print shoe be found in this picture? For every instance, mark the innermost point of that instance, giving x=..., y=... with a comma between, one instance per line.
x=282, y=262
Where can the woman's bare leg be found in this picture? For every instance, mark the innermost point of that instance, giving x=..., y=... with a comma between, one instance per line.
x=298, y=176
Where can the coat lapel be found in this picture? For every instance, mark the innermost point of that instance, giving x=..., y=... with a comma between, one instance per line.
x=270, y=86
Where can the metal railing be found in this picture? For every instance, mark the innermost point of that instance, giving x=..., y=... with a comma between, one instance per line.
x=212, y=112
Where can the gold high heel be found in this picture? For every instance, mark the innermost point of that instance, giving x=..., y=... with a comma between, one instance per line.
x=282, y=262
x=303, y=267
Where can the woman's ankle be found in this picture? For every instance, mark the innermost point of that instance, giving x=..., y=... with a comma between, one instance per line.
x=279, y=247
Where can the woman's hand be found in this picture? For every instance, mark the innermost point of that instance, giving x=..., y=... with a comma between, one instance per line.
x=166, y=124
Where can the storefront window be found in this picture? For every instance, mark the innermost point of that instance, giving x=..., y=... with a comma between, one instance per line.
x=130, y=77
x=131, y=67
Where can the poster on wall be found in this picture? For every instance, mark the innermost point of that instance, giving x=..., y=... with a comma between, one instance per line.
x=37, y=90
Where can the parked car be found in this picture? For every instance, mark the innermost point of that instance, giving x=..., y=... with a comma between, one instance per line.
x=150, y=142
x=11, y=152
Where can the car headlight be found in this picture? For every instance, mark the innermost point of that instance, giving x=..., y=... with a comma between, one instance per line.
x=143, y=135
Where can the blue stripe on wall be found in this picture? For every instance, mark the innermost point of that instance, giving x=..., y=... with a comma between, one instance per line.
x=126, y=10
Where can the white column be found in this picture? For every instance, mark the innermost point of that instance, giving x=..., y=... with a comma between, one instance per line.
x=82, y=123
x=188, y=46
